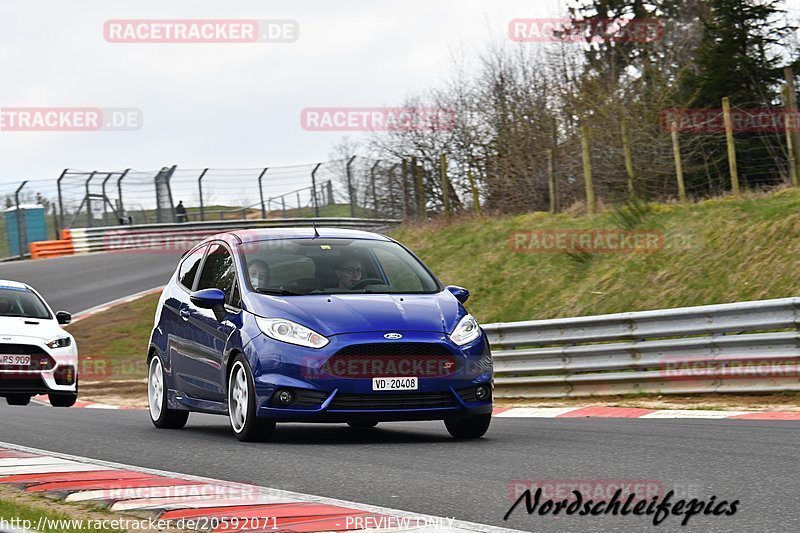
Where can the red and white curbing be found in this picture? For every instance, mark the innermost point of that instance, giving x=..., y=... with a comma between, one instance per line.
x=211, y=504
x=633, y=412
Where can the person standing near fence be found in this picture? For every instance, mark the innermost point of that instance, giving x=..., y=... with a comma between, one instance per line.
x=180, y=212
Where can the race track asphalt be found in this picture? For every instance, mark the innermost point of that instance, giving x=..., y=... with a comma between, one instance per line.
x=417, y=467
x=77, y=283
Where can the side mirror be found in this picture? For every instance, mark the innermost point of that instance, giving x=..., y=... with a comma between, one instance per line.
x=461, y=294
x=62, y=317
x=213, y=299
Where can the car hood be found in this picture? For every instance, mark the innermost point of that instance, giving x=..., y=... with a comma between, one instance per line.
x=335, y=314
x=13, y=328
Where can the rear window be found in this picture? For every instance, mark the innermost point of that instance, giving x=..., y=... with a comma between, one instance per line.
x=21, y=302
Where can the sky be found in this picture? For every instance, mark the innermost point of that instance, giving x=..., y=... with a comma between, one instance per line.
x=224, y=105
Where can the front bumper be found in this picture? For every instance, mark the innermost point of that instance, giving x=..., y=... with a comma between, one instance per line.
x=50, y=371
x=325, y=398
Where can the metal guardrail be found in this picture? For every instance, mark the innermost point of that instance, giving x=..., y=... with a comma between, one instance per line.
x=177, y=235
x=739, y=347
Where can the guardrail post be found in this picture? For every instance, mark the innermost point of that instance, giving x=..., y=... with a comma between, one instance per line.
x=314, y=189
x=350, y=187
x=20, y=222
x=200, y=187
x=261, y=193
x=119, y=192
x=60, y=200
x=89, y=199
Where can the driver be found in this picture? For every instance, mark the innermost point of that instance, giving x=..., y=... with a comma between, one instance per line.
x=259, y=273
x=349, y=271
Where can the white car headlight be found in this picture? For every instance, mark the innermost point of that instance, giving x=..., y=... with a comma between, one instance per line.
x=59, y=342
x=466, y=331
x=287, y=331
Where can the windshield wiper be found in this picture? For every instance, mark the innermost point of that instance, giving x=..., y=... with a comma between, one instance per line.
x=279, y=292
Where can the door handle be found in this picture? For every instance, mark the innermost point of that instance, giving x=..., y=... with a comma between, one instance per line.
x=185, y=313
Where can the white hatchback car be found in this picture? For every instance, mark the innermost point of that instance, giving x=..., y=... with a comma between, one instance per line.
x=36, y=355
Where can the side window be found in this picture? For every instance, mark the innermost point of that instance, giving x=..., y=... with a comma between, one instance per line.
x=189, y=266
x=218, y=271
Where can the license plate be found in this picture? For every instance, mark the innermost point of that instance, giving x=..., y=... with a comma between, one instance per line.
x=395, y=383
x=15, y=360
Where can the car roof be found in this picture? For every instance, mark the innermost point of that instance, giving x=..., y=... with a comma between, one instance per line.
x=266, y=234
x=13, y=284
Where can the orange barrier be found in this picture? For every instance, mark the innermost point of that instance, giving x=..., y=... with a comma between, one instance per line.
x=47, y=249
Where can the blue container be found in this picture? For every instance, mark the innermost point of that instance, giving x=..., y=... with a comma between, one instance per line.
x=32, y=219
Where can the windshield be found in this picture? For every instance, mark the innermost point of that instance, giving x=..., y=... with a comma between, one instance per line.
x=17, y=301
x=335, y=266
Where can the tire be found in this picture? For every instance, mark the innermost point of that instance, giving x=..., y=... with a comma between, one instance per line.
x=362, y=425
x=470, y=427
x=18, y=399
x=242, y=405
x=161, y=416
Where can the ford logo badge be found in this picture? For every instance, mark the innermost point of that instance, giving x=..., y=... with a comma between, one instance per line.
x=393, y=336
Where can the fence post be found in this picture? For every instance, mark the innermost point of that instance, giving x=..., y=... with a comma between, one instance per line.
x=419, y=184
x=329, y=191
x=726, y=113
x=551, y=181
x=792, y=133
x=445, y=186
x=626, y=147
x=476, y=199
x=200, y=186
x=587, y=170
x=405, y=189
x=20, y=222
x=105, y=199
x=121, y=206
x=261, y=193
x=350, y=187
x=60, y=200
x=313, y=190
x=89, y=199
x=374, y=191
x=676, y=152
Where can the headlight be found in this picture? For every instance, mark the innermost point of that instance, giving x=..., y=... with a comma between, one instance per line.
x=466, y=331
x=291, y=332
x=60, y=342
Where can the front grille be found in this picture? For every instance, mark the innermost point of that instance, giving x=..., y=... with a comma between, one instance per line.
x=395, y=349
x=20, y=349
x=378, y=401
x=392, y=359
x=39, y=359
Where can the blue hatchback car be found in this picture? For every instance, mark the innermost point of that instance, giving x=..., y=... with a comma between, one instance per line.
x=307, y=325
